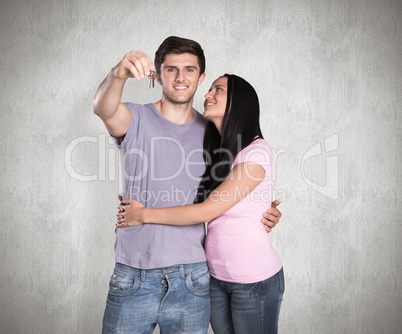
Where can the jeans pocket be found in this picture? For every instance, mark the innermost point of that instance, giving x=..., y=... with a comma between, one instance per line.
x=281, y=279
x=256, y=289
x=197, y=281
x=122, y=284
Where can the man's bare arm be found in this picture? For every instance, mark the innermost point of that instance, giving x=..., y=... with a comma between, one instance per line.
x=106, y=104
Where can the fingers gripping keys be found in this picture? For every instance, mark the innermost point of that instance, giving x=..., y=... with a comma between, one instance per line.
x=135, y=64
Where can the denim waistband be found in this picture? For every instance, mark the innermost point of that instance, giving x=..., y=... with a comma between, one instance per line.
x=170, y=272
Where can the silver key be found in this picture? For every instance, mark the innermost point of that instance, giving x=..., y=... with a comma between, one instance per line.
x=151, y=79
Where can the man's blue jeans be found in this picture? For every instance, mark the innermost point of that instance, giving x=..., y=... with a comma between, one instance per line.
x=246, y=308
x=176, y=298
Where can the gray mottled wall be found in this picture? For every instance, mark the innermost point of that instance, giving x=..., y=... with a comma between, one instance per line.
x=328, y=74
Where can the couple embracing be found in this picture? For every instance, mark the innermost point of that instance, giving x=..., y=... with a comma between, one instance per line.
x=167, y=271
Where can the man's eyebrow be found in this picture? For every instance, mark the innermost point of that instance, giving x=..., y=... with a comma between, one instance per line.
x=172, y=66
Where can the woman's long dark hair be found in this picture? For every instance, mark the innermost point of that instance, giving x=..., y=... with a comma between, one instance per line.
x=241, y=126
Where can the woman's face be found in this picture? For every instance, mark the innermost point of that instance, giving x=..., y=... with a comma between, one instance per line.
x=215, y=101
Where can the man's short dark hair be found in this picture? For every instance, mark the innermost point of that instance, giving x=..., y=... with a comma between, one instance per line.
x=178, y=45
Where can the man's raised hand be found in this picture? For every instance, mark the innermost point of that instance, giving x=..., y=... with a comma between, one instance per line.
x=135, y=64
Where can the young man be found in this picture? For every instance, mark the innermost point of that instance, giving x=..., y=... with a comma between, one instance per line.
x=160, y=276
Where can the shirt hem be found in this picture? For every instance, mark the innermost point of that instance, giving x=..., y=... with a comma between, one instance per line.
x=253, y=280
x=158, y=265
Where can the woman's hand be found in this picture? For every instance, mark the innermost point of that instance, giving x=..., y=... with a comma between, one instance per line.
x=130, y=213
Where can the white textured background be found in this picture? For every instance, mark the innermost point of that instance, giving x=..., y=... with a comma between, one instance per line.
x=323, y=69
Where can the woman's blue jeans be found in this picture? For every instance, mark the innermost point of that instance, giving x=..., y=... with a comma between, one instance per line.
x=246, y=308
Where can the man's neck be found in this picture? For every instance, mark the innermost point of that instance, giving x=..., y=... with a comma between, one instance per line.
x=175, y=112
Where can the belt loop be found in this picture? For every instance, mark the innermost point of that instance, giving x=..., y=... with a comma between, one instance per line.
x=142, y=275
x=181, y=269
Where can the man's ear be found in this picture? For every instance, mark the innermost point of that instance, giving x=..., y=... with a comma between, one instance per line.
x=158, y=78
x=201, y=78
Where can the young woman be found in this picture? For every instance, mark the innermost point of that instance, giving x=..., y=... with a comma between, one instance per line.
x=247, y=282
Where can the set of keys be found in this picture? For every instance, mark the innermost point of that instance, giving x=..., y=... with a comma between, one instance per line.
x=151, y=81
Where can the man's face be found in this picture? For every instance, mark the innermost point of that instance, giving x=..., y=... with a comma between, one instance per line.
x=180, y=77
